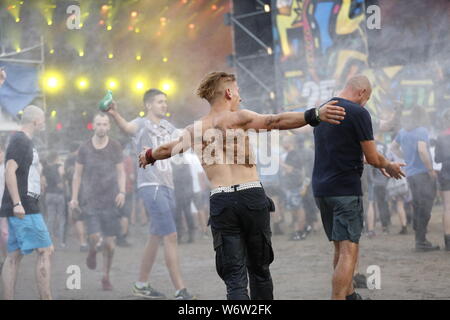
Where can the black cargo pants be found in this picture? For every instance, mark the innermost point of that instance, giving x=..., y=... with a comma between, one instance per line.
x=240, y=224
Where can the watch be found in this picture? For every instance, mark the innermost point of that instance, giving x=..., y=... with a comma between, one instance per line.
x=17, y=204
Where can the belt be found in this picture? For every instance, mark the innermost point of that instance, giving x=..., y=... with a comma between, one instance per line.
x=237, y=187
x=33, y=195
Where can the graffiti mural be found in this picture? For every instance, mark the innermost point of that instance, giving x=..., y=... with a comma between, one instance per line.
x=321, y=43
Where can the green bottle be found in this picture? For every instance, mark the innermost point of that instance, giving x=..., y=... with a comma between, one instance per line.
x=106, y=101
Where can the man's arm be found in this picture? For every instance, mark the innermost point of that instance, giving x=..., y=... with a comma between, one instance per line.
x=76, y=182
x=247, y=119
x=377, y=160
x=127, y=127
x=167, y=150
x=121, y=181
x=11, y=183
x=425, y=156
x=2, y=76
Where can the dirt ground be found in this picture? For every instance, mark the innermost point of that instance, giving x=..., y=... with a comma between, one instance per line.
x=301, y=270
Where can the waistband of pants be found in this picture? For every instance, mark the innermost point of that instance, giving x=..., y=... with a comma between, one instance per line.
x=236, y=187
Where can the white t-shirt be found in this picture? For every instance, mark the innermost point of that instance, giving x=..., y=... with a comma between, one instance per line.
x=196, y=169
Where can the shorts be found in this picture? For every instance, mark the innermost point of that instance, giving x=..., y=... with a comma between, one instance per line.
x=294, y=200
x=104, y=221
x=159, y=202
x=201, y=200
x=342, y=217
x=444, y=184
x=28, y=234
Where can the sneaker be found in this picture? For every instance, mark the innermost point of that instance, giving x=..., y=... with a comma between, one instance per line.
x=306, y=232
x=84, y=248
x=360, y=281
x=91, y=260
x=403, y=230
x=426, y=246
x=296, y=236
x=183, y=294
x=354, y=296
x=148, y=292
x=106, y=285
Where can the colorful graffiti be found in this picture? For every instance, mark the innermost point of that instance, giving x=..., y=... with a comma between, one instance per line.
x=321, y=43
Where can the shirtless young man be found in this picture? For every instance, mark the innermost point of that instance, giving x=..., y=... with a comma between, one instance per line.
x=239, y=207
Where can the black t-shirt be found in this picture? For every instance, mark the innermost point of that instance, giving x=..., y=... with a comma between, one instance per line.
x=21, y=150
x=338, y=162
x=53, y=178
x=99, y=179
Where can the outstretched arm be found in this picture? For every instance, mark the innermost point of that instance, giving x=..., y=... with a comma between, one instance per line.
x=127, y=127
x=167, y=150
x=247, y=119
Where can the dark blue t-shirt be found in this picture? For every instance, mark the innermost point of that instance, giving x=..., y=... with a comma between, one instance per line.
x=338, y=162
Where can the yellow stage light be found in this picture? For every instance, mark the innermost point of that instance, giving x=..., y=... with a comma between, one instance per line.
x=167, y=86
x=52, y=82
x=81, y=53
x=49, y=22
x=112, y=84
x=267, y=8
x=53, y=114
x=52, y=51
x=138, y=58
x=165, y=59
x=142, y=114
x=109, y=28
x=17, y=19
x=110, y=56
x=82, y=83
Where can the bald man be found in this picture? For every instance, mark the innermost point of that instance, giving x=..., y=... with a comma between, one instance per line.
x=338, y=166
x=20, y=204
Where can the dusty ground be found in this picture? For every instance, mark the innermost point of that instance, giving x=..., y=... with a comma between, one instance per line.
x=301, y=270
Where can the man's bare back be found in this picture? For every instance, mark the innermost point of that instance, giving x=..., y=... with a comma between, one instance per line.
x=236, y=164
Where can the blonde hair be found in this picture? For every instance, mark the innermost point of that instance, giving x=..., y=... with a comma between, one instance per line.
x=209, y=87
x=31, y=113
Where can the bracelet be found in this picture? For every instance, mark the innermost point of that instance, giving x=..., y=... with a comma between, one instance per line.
x=312, y=117
x=149, y=157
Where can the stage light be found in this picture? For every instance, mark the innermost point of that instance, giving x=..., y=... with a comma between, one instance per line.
x=105, y=8
x=138, y=58
x=191, y=26
x=81, y=53
x=269, y=51
x=17, y=19
x=59, y=126
x=137, y=30
x=52, y=51
x=267, y=8
x=167, y=86
x=139, y=86
x=165, y=59
x=101, y=22
x=52, y=82
x=134, y=14
x=130, y=28
x=49, y=22
x=110, y=56
x=82, y=83
x=81, y=25
x=18, y=49
x=142, y=114
x=53, y=114
x=109, y=28
x=213, y=7
x=168, y=114
x=112, y=84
